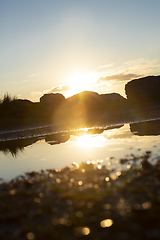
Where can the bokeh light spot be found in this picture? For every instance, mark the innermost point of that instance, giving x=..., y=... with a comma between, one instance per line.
x=30, y=236
x=85, y=231
x=106, y=223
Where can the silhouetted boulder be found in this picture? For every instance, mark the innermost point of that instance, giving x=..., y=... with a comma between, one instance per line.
x=86, y=107
x=23, y=102
x=21, y=105
x=113, y=101
x=48, y=104
x=76, y=106
x=52, y=98
x=87, y=104
x=143, y=90
x=87, y=97
x=82, y=103
x=95, y=102
x=112, y=97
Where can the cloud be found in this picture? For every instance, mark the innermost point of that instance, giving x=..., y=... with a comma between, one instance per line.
x=141, y=66
x=35, y=95
x=131, y=69
x=119, y=77
x=114, y=79
x=34, y=75
x=105, y=66
x=60, y=88
x=111, y=79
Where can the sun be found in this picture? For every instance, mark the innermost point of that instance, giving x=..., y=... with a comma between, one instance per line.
x=81, y=81
x=78, y=82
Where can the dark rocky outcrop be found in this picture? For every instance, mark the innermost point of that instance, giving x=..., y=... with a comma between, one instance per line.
x=54, y=108
x=20, y=113
x=113, y=101
x=143, y=90
x=52, y=99
x=89, y=104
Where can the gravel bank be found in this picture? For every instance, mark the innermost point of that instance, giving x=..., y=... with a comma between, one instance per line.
x=83, y=202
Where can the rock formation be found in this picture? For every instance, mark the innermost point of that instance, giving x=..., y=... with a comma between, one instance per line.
x=88, y=105
x=52, y=108
x=52, y=98
x=143, y=90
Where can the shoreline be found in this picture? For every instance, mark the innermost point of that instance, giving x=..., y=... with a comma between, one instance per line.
x=83, y=201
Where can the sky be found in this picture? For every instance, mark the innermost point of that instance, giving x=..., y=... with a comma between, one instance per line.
x=68, y=46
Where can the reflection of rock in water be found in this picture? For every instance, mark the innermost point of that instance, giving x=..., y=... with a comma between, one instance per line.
x=16, y=146
x=94, y=130
x=146, y=128
x=57, y=138
x=113, y=127
x=88, y=131
x=64, y=137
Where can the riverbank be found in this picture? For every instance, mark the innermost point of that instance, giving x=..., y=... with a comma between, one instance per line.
x=84, y=201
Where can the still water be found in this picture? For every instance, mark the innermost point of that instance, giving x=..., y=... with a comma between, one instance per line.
x=105, y=146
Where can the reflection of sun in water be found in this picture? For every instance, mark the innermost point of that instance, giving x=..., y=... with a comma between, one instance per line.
x=88, y=141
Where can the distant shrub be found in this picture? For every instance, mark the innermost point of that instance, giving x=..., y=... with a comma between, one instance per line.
x=7, y=99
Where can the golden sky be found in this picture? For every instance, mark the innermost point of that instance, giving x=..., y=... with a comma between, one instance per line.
x=71, y=46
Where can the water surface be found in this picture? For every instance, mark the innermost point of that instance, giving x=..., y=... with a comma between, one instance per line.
x=102, y=145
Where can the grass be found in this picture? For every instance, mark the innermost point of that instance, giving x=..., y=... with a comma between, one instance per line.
x=7, y=99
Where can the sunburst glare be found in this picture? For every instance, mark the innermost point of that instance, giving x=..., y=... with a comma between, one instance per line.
x=80, y=82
